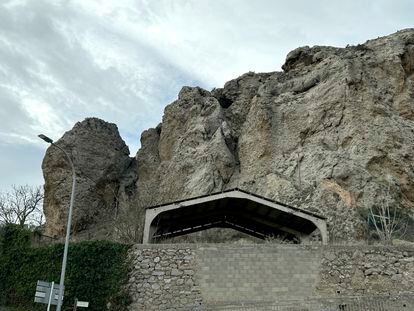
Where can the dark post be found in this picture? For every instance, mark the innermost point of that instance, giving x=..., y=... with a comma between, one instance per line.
x=75, y=306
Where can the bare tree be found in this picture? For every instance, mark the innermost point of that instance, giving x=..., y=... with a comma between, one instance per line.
x=129, y=222
x=387, y=221
x=22, y=205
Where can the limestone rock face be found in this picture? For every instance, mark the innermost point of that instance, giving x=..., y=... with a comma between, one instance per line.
x=332, y=133
x=101, y=158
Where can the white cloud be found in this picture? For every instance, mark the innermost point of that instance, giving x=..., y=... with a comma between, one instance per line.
x=43, y=116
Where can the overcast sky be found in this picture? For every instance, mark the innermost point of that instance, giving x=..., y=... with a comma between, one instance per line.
x=124, y=61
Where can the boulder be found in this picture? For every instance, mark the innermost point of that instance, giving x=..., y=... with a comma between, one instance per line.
x=100, y=157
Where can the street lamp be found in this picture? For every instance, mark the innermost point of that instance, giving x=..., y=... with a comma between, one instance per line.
x=72, y=199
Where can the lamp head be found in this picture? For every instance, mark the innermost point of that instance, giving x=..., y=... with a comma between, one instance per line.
x=45, y=138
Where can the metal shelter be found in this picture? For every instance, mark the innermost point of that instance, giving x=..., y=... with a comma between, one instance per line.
x=235, y=208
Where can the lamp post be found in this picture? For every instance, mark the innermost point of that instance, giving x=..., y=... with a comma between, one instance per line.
x=72, y=199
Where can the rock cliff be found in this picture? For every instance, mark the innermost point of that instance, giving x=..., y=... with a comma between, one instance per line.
x=101, y=158
x=332, y=133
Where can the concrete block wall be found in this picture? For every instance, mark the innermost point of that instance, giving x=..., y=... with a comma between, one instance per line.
x=219, y=276
x=254, y=273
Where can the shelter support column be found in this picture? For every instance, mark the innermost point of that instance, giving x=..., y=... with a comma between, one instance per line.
x=148, y=228
x=324, y=231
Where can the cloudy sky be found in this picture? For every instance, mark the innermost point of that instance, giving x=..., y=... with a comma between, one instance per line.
x=123, y=61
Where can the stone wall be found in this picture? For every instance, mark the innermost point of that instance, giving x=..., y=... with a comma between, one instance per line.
x=229, y=277
x=366, y=271
x=163, y=277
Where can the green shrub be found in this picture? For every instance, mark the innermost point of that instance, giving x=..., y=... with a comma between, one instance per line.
x=95, y=271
